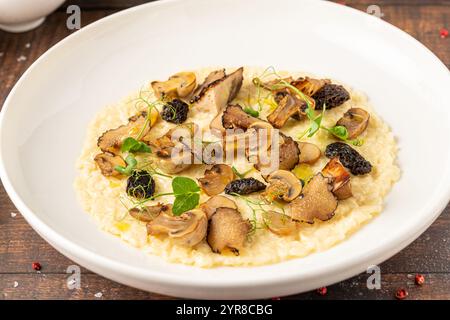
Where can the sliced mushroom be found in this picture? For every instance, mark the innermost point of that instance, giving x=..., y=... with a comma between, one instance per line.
x=219, y=93
x=216, y=179
x=234, y=117
x=260, y=135
x=107, y=162
x=279, y=223
x=210, y=207
x=317, y=202
x=180, y=137
x=309, y=153
x=309, y=86
x=287, y=107
x=341, y=178
x=244, y=186
x=284, y=185
x=209, y=80
x=355, y=120
x=180, y=85
x=149, y=213
x=111, y=140
x=188, y=229
x=227, y=230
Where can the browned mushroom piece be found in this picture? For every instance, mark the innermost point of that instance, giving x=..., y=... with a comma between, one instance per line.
x=309, y=86
x=107, y=162
x=355, y=120
x=111, y=140
x=173, y=150
x=227, y=230
x=209, y=80
x=216, y=125
x=149, y=213
x=216, y=179
x=279, y=223
x=288, y=155
x=317, y=202
x=215, y=97
x=210, y=207
x=272, y=84
x=283, y=185
x=235, y=117
x=288, y=106
x=260, y=136
x=342, y=188
x=179, y=85
x=188, y=229
x=309, y=152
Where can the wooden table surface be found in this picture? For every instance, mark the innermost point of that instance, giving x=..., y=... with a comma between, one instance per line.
x=20, y=245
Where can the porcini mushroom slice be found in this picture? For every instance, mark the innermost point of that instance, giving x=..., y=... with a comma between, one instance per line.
x=147, y=214
x=107, y=162
x=309, y=86
x=279, y=223
x=309, y=153
x=287, y=107
x=189, y=228
x=284, y=185
x=210, y=207
x=341, y=178
x=209, y=80
x=355, y=120
x=227, y=230
x=179, y=85
x=234, y=117
x=317, y=202
x=219, y=93
x=216, y=179
x=111, y=140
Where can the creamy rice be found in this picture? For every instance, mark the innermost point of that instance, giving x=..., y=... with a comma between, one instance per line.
x=103, y=197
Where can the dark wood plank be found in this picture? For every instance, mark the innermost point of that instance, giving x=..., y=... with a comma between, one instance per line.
x=54, y=286
x=20, y=245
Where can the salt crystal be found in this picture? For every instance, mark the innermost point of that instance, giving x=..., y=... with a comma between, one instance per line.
x=13, y=214
x=21, y=58
x=1, y=54
x=28, y=45
x=98, y=295
x=16, y=284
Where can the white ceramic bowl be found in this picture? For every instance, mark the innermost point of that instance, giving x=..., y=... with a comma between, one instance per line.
x=44, y=119
x=24, y=15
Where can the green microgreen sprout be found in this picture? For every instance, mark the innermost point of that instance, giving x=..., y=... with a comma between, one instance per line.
x=150, y=106
x=251, y=111
x=131, y=145
x=239, y=174
x=131, y=165
x=341, y=132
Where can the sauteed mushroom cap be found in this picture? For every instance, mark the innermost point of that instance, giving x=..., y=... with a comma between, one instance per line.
x=279, y=223
x=210, y=207
x=216, y=179
x=309, y=152
x=179, y=85
x=284, y=185
x=355, y=120
x=188, y=229
x=107, y=162
x=148, y=213
x=227, y=230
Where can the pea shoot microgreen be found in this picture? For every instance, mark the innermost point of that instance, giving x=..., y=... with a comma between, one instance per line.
x=239, y=174
x=131, y=165
x=341, y=132
x=251, y=111
x=132, y=145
